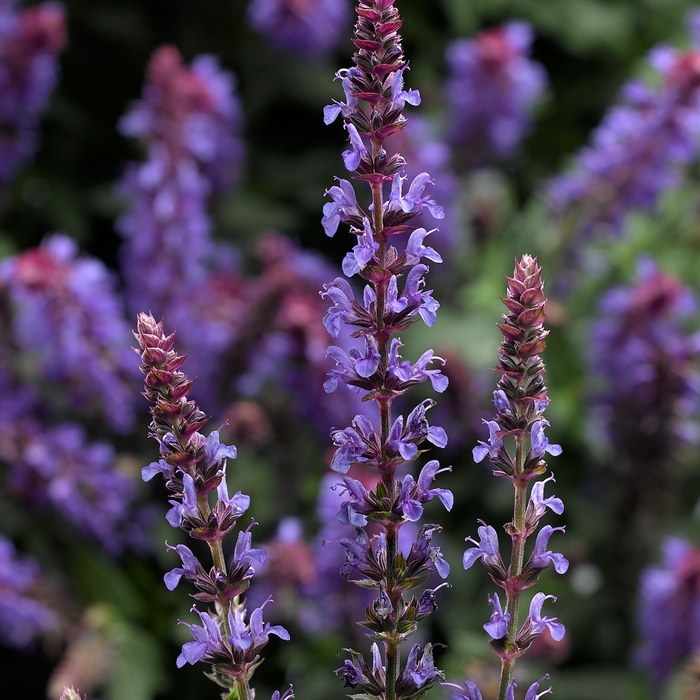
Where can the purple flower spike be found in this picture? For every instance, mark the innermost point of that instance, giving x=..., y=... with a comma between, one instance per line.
x=30, y=40
x=520, y=401
x=188, y=568
x=311, y=28
x=497, y=627
x=539, y=623
x=540, y=557
x=69, y=318
x=22, y=618
x=469, y=692
x=393, y=298
x=492, y=88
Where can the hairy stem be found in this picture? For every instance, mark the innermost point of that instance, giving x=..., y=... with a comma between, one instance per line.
x=516, y=560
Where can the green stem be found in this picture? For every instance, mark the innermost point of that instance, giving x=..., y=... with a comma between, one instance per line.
x=241, y=691
x=392, y=651
x=516, y=561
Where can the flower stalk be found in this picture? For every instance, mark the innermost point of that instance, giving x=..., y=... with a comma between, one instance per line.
x=520, y=401
x=393, y=298
x=194, y=469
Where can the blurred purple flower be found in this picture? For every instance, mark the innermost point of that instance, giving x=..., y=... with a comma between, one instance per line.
x=29, y=43
x=190, y=121
x=311, y=28
x=492, y=87
x=80, y=480
x=22, y=618
x=642, y=349
x=669, y=609
x=637, y=151
x=69, y=319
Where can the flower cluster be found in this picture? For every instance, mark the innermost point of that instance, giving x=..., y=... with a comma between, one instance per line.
x=190, y=120
x=669, y=606
x=194, y=469
x=636, y=152
x=279, y=336
x=642, y=349
x=311, y=28
x=79, y=479
x=516, y=448
x=393, y=298
x=55, y=465
x=22, y=617
x=492, y=87
x=68, y=318
x=29, y=43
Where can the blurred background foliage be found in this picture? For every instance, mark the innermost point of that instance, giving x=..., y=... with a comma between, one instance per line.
x=125, y=640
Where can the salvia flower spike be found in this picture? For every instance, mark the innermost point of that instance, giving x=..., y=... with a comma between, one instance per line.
x=394, y=297
x=516, y=448
x=194, y=469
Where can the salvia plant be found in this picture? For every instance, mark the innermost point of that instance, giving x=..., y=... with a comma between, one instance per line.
x=194, y=468
x=388, y=255
x=639, y=149
x=393, y=298
x=29, y=43
x=669, y=605
x=492, y=87
x=516, y=448
x=645, y=350
x=253, y=325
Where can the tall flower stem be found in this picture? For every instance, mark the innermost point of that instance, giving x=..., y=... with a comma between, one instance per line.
x=194, y=468
x=516, y=562
x=373, y=110
x=520, y=402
